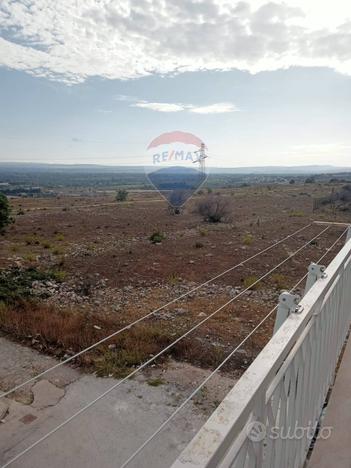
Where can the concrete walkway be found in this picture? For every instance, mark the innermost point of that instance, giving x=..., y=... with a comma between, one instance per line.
x=336, y=450
x=107, y=434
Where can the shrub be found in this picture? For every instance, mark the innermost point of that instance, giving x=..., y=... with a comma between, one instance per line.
x=248, y=239
x=5, y=211
x=214, y=208
x=157, y=237
x=121, y=195
x=280, y=281
x=296, y=214
x=249, y=281
x=310, y=180
x=174, y=279
x=16, y=284
x=58, y=275
x=198, y=245
x=203, y=232
x=60, y=237
x=155, y=382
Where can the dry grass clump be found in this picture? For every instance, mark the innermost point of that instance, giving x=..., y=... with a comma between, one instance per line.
x=63, y=329
x=63, y=332
x=60, y=332
x=132, y=349
x=251, y=282
x=248, y=239
x=280, y=281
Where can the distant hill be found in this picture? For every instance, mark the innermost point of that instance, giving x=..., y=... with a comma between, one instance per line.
x=22, y=168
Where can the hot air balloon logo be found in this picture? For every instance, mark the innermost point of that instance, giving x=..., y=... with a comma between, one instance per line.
x=177, y=166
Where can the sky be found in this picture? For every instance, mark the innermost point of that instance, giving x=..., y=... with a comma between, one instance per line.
x=94, y=81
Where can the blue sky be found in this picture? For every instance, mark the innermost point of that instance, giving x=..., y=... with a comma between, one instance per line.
x=280, y=95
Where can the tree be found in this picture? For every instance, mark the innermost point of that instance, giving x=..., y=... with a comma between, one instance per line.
x=5, y=211
x=310, y=180
x=122, y=195
x=214, y=208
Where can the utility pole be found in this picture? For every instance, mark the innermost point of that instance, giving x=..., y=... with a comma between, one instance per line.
x=201, y=156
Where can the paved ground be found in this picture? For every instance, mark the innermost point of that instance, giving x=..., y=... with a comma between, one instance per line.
x=104, y=436
x=336, y=451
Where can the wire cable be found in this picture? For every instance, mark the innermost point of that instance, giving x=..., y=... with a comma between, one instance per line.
x=127, y=327
x=329, y=249
x=191, y=396
x=156, y=356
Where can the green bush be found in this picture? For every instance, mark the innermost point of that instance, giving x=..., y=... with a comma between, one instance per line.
x=248, y=239
x=157, y=237
x=16, y=283
x=250, y=281
x=5, y=212
x=121, y=195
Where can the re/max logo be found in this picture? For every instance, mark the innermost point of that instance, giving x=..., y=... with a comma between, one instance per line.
x=166, y=156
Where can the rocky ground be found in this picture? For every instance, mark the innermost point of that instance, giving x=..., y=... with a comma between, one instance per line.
x=109, y=273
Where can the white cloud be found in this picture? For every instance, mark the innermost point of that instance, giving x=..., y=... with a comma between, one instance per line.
x=125, y=97
x=217, y=108
x=71, y=41
x=159, y=106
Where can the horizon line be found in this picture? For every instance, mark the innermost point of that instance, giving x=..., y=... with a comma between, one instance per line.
x=150, y=165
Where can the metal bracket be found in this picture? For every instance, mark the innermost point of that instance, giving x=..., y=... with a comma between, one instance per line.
x=315, y=272
x=288, y=304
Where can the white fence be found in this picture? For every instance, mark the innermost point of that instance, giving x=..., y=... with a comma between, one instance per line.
x=268, y=419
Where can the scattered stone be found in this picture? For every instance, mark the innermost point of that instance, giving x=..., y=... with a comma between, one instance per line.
x=180, y=311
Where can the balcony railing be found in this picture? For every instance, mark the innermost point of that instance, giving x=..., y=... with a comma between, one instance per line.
x=271, y=416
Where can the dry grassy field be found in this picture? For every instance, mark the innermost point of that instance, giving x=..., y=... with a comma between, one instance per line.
x=82, y=267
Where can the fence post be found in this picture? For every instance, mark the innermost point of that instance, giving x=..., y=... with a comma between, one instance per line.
x=315, y=272
x=288, y=303
x=348, y=235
